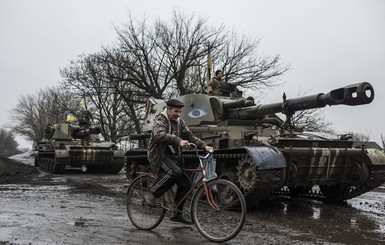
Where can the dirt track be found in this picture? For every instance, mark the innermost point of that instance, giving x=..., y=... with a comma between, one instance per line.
x=78, y=208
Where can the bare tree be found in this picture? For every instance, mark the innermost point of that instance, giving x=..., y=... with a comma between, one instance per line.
x=8, y=144
x=357, y=136
x=245, y=66
x=311, y=120
x=162, y=59
x=34, y=111
x=168, y=58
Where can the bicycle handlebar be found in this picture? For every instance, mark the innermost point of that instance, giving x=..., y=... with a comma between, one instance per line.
x=196, y=151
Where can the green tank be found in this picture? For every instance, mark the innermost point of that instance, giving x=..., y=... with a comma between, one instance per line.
x=75, y=144
x=262, y=153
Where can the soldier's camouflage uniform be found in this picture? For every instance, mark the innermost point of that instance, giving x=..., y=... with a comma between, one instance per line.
x=213, y=86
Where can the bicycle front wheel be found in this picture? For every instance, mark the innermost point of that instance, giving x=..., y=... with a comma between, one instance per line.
x=220, y=212
x=142, y=215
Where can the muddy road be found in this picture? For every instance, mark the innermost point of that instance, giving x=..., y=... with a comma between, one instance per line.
x=78, y=208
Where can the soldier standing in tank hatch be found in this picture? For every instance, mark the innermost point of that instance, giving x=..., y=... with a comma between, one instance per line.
x=48, y=131
x=85, y=118
x=213, y=84
x=169, y=135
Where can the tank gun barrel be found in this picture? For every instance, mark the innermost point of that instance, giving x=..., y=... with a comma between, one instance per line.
x=352, y=95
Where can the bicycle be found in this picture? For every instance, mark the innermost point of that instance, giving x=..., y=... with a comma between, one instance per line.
x=218, y=207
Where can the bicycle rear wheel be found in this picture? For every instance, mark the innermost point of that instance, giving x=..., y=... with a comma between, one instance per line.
x=223, y=221
x=141, y=215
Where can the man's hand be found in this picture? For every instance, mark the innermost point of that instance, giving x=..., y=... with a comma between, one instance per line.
x=209, y=149
x=184, y=144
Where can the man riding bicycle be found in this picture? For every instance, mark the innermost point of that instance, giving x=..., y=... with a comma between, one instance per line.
x=169, y=135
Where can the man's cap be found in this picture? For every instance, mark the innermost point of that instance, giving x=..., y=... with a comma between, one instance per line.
x=174, y=103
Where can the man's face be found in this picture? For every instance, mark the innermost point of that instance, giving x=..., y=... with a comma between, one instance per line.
x=219, y=75
x=173, y=113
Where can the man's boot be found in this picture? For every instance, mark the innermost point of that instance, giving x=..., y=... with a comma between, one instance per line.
x=178, y=217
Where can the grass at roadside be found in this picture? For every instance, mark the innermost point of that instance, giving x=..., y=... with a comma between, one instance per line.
x=12, y=171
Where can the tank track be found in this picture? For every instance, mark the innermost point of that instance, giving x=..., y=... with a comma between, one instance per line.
x=53, y=165
x=113, y=168
x=117, y=165
x=376, y=179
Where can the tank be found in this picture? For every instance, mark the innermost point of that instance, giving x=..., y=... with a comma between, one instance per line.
x=76, y=144
x=262, y=153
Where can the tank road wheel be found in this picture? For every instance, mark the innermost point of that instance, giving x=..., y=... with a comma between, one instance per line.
x=334, y=193
x=247, y=174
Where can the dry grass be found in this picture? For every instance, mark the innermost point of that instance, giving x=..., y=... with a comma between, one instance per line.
x=12, y=171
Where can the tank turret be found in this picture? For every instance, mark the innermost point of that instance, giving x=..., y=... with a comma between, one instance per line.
x=261, y=153
x=84, y=133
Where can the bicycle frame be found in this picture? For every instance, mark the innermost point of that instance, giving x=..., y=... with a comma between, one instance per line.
x=202, y=180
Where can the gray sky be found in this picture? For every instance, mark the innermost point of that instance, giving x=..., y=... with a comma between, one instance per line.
x=327, y=43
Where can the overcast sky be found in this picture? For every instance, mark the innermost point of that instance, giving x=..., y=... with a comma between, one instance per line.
x=327, y=43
